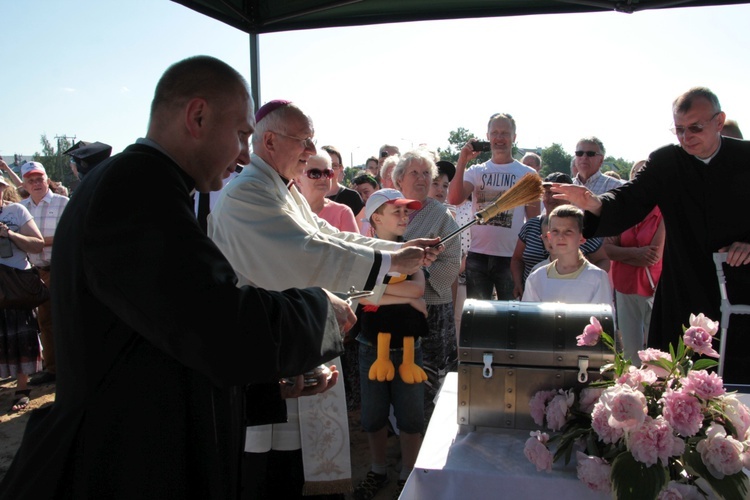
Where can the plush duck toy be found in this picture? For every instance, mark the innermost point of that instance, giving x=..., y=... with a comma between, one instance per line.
x=394, y=326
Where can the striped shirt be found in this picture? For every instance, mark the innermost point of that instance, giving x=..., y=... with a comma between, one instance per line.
x=599, y=183
x=46, y=216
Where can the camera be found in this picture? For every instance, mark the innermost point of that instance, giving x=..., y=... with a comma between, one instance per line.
x=481, y=146
x=6, y=250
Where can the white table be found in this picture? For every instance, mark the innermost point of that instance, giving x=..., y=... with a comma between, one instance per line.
x=483, y=464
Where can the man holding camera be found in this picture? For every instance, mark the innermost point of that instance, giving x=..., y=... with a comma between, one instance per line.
x=492, y=244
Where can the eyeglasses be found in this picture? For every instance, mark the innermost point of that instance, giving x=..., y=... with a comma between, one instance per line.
x=316, y=173
x=695, y=128
x=590, y=154
x=308, y=142
x=384, y=154
x=35, y=180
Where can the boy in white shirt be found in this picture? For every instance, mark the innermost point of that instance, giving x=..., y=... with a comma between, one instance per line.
x=570, y=278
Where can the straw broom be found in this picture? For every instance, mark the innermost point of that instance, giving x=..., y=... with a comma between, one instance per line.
x=525, y=191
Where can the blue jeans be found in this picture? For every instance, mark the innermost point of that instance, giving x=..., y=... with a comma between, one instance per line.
x=485, y=272
x=377, y=397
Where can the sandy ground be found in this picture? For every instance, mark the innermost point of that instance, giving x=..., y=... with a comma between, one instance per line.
x=12, y=426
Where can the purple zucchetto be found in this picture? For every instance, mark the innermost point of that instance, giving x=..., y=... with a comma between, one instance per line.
x=269, y=107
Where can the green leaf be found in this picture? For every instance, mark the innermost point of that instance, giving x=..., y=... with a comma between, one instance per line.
x=680, y=348
x=632, y=480
x=734, y=487
x=704, y=363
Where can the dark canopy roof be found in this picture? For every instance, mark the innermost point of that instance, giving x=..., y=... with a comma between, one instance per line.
x=267, y=16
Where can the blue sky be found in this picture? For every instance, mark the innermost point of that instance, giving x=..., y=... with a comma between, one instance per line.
x=87, y=68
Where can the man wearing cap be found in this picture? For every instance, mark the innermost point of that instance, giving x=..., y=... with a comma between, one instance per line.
x=266, y=229
x=84, y=156
x=46, y=207
x=154, y=335
x=589, y=156
x=493, y=243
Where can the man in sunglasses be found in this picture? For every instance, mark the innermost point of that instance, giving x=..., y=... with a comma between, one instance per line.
x=268, y=232
x=589, y=156
x=700, y=186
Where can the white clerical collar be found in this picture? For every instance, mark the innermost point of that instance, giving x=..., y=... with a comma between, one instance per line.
x=708, y=160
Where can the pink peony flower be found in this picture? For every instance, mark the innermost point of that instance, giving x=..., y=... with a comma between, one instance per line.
x=591, y=333
x=721, y=454
x=600, y=424
x=703, y=322
x=538, y=404
x=699, y=340
x=536, y=451
x=683, y=411
x=703, y=384
x=679, y=491
x=636, y=378
x=557, y=409
x=589, y=397
x=654, y=440
x=652, y=354
x=738, y=414
x=594, y=472
x=626, y=405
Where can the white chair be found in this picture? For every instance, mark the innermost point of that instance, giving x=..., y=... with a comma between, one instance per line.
x=727, y=308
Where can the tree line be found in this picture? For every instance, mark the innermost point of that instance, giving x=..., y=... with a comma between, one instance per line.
x=554, y=157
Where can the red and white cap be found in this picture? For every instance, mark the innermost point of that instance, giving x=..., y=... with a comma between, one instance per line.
x=390, y=196
x=32, y=167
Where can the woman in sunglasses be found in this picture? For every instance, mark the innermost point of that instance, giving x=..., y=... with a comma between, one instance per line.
x=314, y=183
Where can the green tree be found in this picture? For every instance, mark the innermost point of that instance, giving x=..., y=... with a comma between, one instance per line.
x=555, y=159
x=349, y=174
x=55, y=163
x=619, y=165
x=456, y=140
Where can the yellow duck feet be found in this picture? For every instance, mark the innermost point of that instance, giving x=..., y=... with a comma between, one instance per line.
x=410, y=372
x=382, y=369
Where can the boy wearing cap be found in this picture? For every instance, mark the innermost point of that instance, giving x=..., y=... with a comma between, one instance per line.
x=46, y=207
x=387, y=338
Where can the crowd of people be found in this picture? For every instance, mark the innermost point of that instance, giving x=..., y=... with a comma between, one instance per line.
x=233, y=319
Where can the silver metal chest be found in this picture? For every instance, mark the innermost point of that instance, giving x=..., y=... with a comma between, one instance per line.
x=509, y=350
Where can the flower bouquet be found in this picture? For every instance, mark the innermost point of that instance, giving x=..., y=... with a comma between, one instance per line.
x=665, y=430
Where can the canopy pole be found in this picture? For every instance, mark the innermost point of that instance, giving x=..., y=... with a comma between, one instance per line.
x=255, y=69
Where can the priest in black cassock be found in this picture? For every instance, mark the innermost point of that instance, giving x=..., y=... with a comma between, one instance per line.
x=701, y=187
x=153, y=336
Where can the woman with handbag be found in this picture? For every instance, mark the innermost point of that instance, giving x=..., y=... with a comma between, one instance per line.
x=20, y=353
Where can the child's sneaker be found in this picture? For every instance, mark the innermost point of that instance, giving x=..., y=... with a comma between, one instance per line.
x=369, y=487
